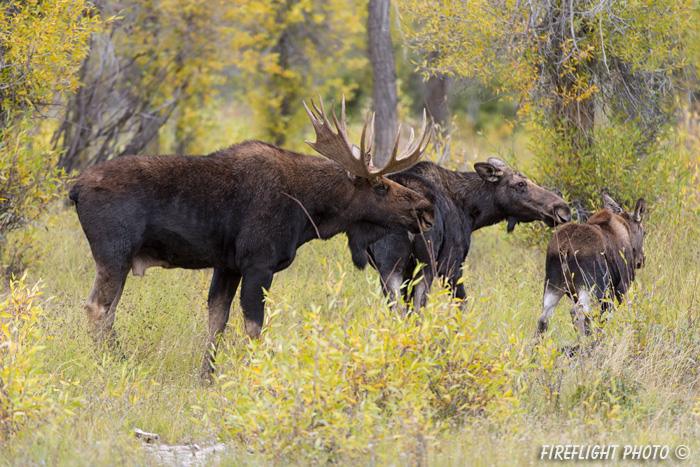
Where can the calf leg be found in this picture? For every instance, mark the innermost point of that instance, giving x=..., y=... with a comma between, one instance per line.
x=221, y=292
x=255, y=282
x=550, y=300
x=581, y=312
x=101, y=305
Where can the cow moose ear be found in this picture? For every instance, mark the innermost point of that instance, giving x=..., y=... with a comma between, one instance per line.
x=488, y=171
x=639, y=210
x=495, y=161
x=611, y=205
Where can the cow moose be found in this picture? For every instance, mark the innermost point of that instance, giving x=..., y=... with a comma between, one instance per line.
x=598, y=258
x=463, y=202
x=242, y=211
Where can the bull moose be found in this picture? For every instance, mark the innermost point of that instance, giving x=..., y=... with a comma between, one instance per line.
x=243, y=211
x=463, y=202
x=598, y=258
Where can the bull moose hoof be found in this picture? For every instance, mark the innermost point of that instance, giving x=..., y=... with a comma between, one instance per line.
x=253, y=329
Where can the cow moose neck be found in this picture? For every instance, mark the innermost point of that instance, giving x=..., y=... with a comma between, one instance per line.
x=475, y=198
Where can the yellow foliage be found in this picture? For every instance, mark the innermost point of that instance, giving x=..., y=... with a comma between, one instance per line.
x=27, y=392
x=291, y=50
x=499, y=44
x=328, y=391
x=44, y=43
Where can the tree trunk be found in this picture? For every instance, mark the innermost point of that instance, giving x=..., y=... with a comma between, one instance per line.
x=284, y=50
x=384, y=95
x=436, y=90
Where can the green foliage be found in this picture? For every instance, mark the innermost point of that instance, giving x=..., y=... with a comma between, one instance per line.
x=28, y=183
x=511, y=46
x=28, y=393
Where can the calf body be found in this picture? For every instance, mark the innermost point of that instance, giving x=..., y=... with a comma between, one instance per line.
x=593, y=260
x=463, y=202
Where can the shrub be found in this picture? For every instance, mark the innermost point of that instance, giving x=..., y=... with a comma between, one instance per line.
x=622, y=160
x=327, y=392
x=27, y=392
x=29, y=181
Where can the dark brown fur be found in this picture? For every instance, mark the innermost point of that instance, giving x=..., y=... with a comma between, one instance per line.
x=243, y=211
x=463, y=202
x=599, y=258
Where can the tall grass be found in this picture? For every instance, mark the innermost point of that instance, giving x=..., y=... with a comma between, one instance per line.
x=337, y=377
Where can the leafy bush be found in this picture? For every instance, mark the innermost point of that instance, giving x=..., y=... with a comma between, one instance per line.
x=29, y=181
x=329, y=391
x=622, y=161
x=27, y=392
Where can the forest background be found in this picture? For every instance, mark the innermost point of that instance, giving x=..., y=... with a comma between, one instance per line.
x=583, y=97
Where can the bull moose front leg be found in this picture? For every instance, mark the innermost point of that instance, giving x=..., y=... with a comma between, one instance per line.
x=255, y=283
x=221, y=292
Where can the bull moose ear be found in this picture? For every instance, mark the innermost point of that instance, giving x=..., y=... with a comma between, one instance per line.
x=611, y=205
x=639, y=210
x=489, y=172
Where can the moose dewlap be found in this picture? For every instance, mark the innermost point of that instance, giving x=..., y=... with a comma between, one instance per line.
x=592, y=261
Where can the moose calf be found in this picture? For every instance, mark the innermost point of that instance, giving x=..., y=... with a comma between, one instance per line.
x=599, y=257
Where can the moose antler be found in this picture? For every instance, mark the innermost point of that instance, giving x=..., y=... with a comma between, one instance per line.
x=358, y=161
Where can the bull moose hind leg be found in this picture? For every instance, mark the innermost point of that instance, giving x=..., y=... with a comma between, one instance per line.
x=223, y=288
x=422, y=288
x=391, y=285
x=255, y=283
x=101, y=305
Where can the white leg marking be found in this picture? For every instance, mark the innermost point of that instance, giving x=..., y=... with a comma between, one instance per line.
x=549, y=303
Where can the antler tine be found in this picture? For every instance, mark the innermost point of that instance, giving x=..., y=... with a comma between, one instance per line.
x=335, y=146
x=412, y=152
x=367, y=154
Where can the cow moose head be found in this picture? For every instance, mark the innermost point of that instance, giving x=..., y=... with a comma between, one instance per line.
x=521, y=198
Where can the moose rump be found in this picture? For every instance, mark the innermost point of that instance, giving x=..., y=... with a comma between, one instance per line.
x=596, y=260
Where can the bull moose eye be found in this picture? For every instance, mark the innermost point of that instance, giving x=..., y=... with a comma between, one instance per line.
x=381, y=189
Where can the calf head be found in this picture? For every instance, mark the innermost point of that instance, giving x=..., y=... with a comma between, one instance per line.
x=634, y=221
x=519, y=198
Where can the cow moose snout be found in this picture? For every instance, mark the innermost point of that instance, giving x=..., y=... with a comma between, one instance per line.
x=562, y=214
x=426, y=218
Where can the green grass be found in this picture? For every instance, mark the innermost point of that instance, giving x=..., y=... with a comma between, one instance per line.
x=640, y=385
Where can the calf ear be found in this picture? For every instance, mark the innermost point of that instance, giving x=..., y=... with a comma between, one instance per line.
x=611, y=205
x=639, y=210
x=488, y=171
